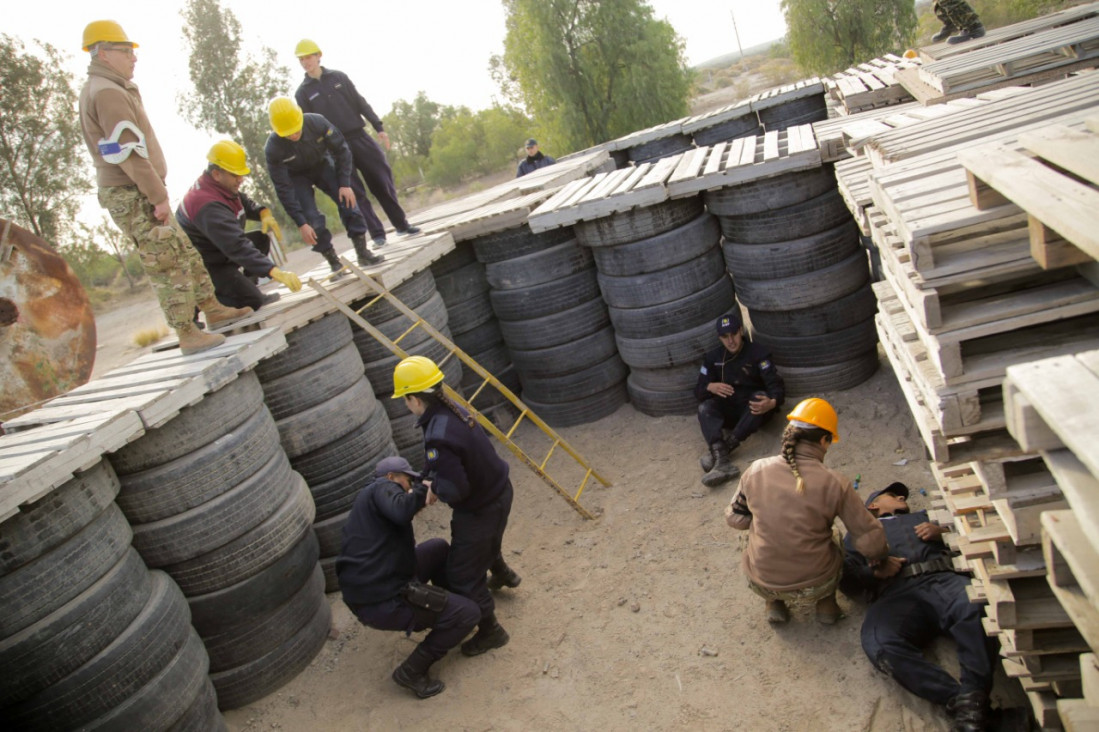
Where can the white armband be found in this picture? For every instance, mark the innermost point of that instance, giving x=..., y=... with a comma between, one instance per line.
x=114, y=152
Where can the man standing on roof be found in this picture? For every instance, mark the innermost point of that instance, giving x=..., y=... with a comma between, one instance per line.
x=331, y=94
x=130, y=170
x=534, y=159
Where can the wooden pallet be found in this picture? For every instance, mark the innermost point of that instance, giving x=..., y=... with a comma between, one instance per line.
x=786, y=93
x=996, y=36
x=1073, y=564
x=720, y=116
x=491, y=218
x=870, y=84
x=853, y=181
x=1053, y=179
x=650, y=134
x=1025, y=604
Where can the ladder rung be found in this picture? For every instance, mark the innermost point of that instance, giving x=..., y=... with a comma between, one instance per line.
x=549, y=454
x=411, y=328
x=515, y=426
x=475, y=394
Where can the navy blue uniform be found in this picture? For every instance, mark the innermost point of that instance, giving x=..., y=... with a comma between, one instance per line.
x=749, y=372
x=321, y=158
x=379, y=557
x=473, y=480
x=334, y=96
x=213, y=219
x=532, y=163
x=909, y=612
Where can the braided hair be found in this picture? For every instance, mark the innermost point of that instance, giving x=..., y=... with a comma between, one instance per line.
x=791, y=436
x=435, y=395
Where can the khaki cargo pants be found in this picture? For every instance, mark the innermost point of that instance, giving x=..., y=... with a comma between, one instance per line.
x=174, y=266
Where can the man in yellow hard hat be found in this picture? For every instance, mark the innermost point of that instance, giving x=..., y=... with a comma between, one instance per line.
x=212, y=215
x=130, y=171
x=331, y=94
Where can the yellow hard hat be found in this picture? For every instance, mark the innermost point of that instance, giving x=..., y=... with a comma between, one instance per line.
x=818, y=413
x=104, y=31
x=229, y=156
x=415, y=374
x=306, y=47
x=911, y=53
x=286, y=116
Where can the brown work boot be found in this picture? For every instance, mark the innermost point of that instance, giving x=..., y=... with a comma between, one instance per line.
x=828, y=611
x=777, y=612
x=218, y=315
x=193, y=340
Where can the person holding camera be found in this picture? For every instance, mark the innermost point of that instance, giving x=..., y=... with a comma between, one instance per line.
x=384, y=573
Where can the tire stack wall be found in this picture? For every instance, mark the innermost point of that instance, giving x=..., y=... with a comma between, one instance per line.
x=665, y=147
x=555, y=324
x=803, y=111
x=460, y=279
x=744, y=126
x=331, y=426
x=800, y=270
x=213, y=501
x=420, y=295
x=89, y=636
x=662, y=275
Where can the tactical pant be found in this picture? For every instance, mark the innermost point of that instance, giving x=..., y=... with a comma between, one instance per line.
x=448, y=626
x=370, y=160
x=326, y=180
x=957, y=13
x=174, y=268
x=231, y=286
x=910, y=614
x=716, y=413
x=476, y=538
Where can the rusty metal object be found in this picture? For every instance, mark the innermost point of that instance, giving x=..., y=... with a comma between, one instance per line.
x=47, y=328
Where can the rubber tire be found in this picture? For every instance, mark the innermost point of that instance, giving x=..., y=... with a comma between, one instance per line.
x=433, y=312
x=547, y=265
x=328, y=564
x=807, y=290
x=491, y=396
x=331, y=459
x=309, y=429
x=413, y=293
x=819, y=350
x=792, y=258
x=306, y=345
x=771, y=194
x=518, y=242
x=459, y=257
x=824, y=318
x=467, y=315
x=847, y=374
x=338, y=494
x=746, y=126
x=581, y=411
x=493, y=360
x=318, y=382
x=481, y=338
x=200, y=424
x=202, y=715
x=557, y=328
x=703, y=306
x=674, y=378
x=824, y=212
x=666, y=286
x=330, y=533
x=251, y=681
x=567, y=357
x=793, y=113
x=462, y=283
x=580, y=384
x=661, y=403
x=663, y=148
x=638, y=223
x=405, y=431
x=545, y=299
x=677, y=349
x=657, y=253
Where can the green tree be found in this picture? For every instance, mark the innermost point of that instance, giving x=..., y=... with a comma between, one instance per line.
x=468, y=143
x=588, y=71
x=827, y=36
x=410, y=126
x=43, y=160
x=231, y=88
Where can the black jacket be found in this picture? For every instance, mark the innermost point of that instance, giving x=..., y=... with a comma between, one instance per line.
x=530, y=163
x=750, y=371
x=467, y=472
x=378, y=555
x=858, y=576
x=213, y=220
x=319, y=143
x=336, y=98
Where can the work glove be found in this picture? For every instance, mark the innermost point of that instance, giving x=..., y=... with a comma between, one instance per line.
x=287, y=278
x=268, y=223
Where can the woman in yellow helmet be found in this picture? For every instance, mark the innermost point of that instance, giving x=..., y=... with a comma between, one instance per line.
x=788, y=504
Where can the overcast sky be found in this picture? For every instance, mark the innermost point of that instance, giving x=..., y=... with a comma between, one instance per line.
x=390, y=50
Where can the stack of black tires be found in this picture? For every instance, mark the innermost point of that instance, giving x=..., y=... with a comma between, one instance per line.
x=663, y=279
x=419, y=294
x=744, y=126
x=89, y=637
x=794, y=252
x=329, y=423
x=665, y=147
x=802, y=111
x=214, y=502
x=555, y=324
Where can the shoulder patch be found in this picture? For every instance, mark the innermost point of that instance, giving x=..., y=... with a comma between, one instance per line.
x=765, y=364
x=704, y=371
x=432, y=454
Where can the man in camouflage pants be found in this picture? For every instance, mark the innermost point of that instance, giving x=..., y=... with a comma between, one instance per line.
x=956, y=15
x=130, y=171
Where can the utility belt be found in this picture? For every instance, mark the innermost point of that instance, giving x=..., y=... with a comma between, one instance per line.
x=939, y=564
x=425, y=597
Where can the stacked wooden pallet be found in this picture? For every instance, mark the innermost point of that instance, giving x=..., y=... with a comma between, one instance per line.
x=871, y=84
x=1003, y=34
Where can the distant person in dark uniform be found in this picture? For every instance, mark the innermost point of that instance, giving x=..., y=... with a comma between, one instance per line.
x=739, y=388
x=956, y=15
x=534, y=159
x=212, y=215
x=304, y=152
x=331, y=94
x=915, y=596
x=383, y=573
x=465, y=473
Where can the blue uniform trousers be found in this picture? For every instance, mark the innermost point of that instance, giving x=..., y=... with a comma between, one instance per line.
x=448, y=627
x=326, y=180
x=476, y=538
x=716, y=414
x=370, y=160
x=232, y=287
x=910, y=614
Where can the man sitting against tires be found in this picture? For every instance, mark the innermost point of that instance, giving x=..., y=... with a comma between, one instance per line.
x=738, y=388
x=382, y=573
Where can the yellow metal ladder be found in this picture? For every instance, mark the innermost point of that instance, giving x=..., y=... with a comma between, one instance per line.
x=539, y=467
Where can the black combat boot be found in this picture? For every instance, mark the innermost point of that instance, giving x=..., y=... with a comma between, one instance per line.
x=723, y=469
x=706, y=462
x=976, y=31
x=946, y=32
x=969, y=712
x=333, y=260
x=490, y=634
x=366, y=257
x=501, y=575
x=412, y=675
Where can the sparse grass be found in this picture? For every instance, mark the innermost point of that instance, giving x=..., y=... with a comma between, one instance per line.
x=149, y=336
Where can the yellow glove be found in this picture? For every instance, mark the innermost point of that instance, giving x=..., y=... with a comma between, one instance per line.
x=287, y=278
x=267, y=223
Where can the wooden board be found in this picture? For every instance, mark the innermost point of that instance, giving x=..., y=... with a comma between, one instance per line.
x=870, y=84
x=1073, y=565
x=720, y=116
x=1026, y=604
x=1003, y=34
x=780, y=95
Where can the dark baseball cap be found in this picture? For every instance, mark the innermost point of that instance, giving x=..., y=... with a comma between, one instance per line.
x=729, y=323
x=394, y=465
x=897, y=489
x=531, y=142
